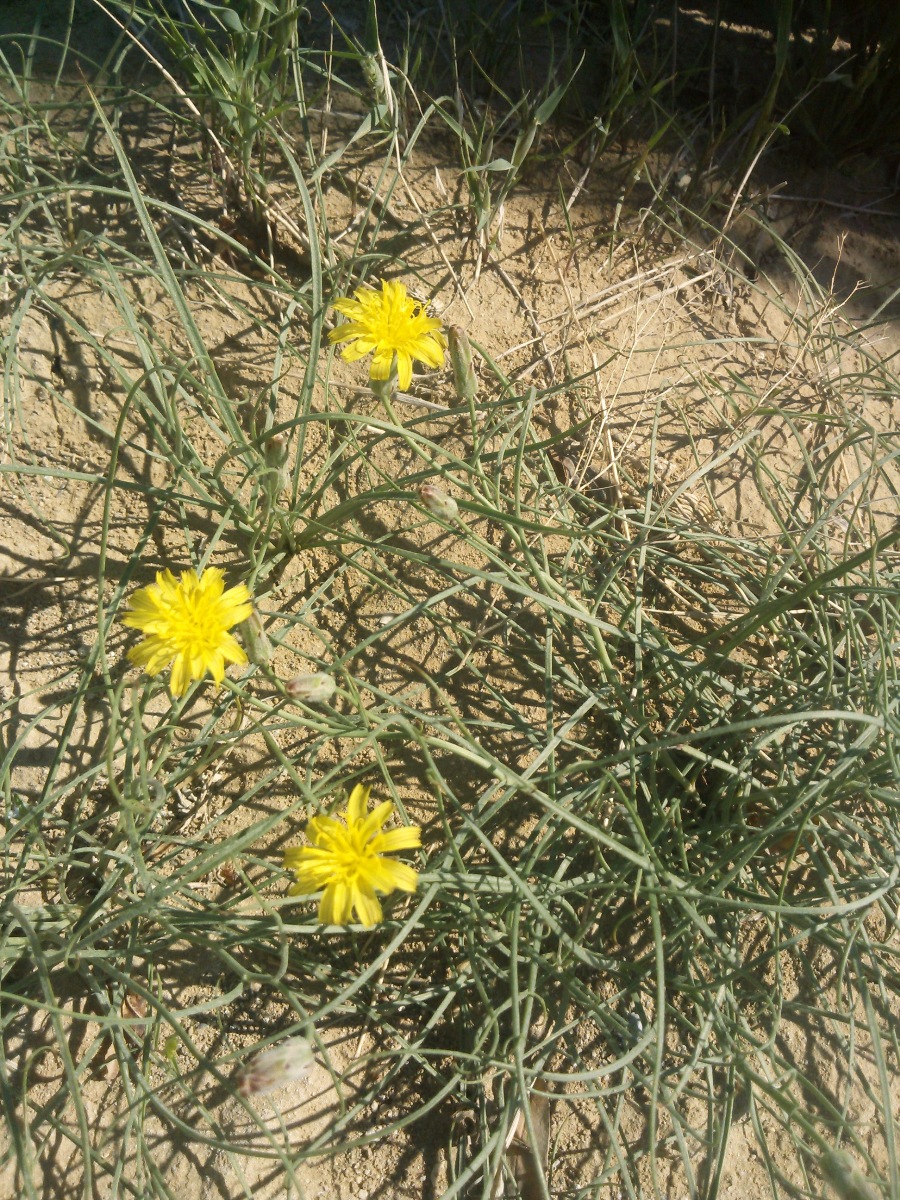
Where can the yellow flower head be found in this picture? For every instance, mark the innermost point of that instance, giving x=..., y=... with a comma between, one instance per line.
x=185, y=623
x=346, y=861
x=386, y=323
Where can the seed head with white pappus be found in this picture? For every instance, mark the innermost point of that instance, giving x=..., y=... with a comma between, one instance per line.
x=314, y=688
x=288, y=1061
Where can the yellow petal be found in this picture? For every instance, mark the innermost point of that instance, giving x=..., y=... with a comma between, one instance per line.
x=348, y=307
x=162, y=656
x=403, y=877
x=216, y=664
x=212, y=582
x=429, y=352
x=310, y=878
x=407, y=837
x=378, y=875
x=356, y=804
x=144, y=652
x=359, y=349
x=382, y=361
x=313, y=868
x=368, y=830
x=348, y=331
x=394, y=293
x=236, y=604
x=325, y=831
x=404, y=370
x=232, y=650
x=144, y=604
x=336, y=907
x=367, y=907
x=181, y=676
x=167, y=583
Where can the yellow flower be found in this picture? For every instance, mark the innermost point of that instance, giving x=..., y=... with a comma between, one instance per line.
x=346, y=861
x=386, y=323
x=185, y=625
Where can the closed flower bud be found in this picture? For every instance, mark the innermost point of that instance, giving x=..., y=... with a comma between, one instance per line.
x=277, y=477
x=276, y=450
x=272, y=1068
x=316, y=688
x=464, y=380
x=845, y=1176
x=256, y=641
x=438, y=502
x=373, y=75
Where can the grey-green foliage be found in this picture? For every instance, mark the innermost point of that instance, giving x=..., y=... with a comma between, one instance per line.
x=656, y=761
x=238, y=62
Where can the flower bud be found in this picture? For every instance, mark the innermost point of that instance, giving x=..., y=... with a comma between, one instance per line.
x=276, y=477
x=845, y=1176
x=275, y=451
x=438, y=502
x=256, y=641
x=464, y=380
x=288, y=1061
x=315, y=688
x=373, y=75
